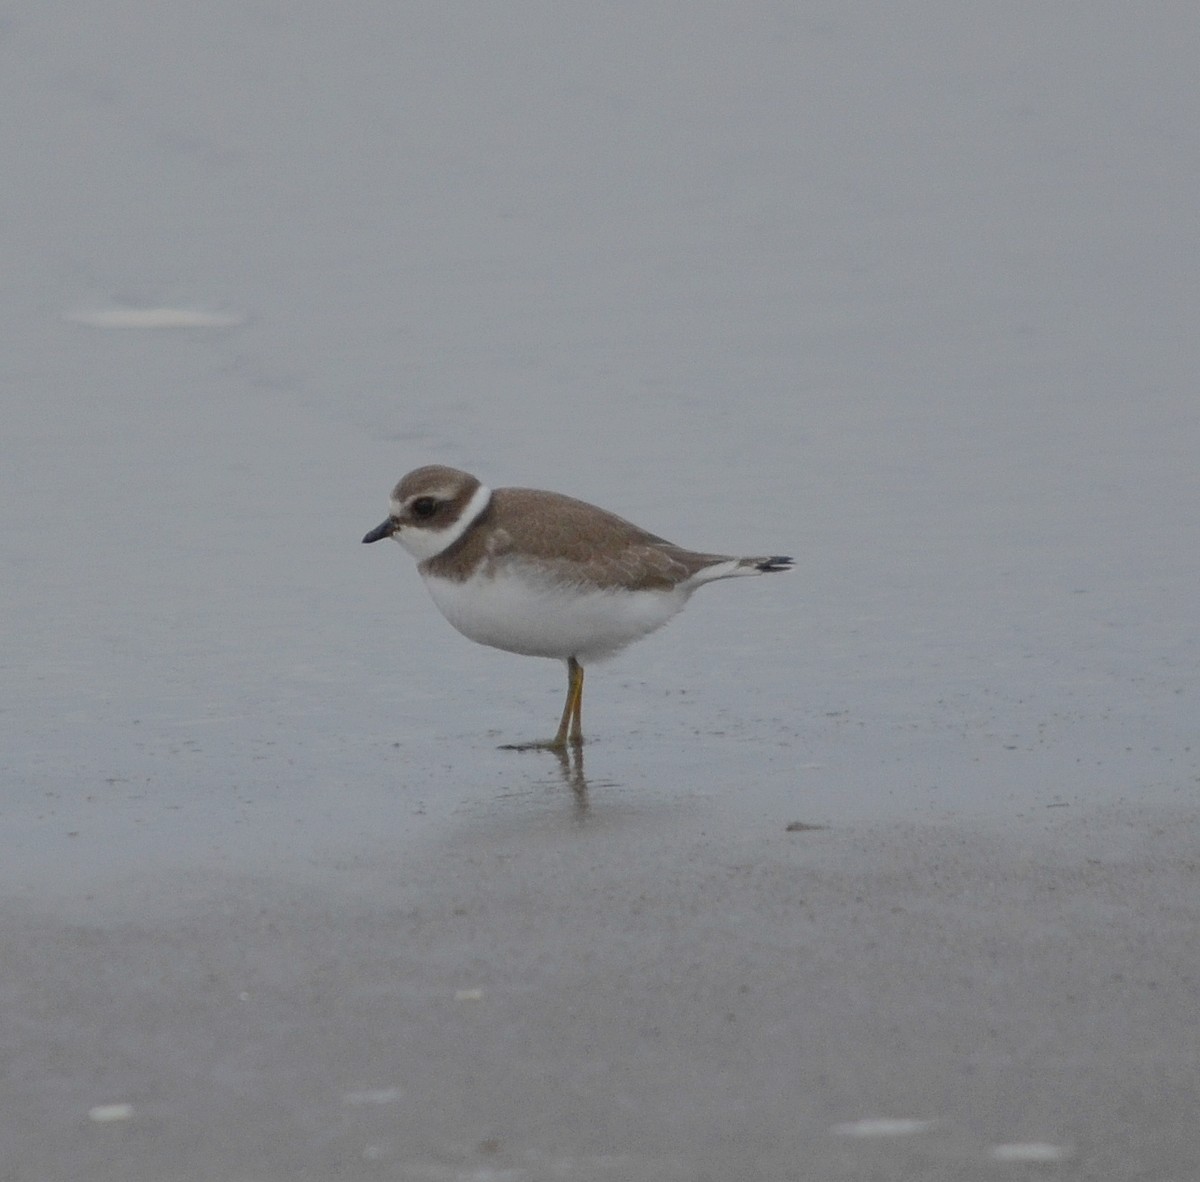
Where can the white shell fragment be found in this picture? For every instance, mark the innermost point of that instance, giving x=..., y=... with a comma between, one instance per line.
x=106, y=1113
x=1022, y=1151
x=880, y=1126
x=121, y=317
x=372, y=1096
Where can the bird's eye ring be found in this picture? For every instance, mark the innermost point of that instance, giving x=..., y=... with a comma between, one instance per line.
x=424, y=507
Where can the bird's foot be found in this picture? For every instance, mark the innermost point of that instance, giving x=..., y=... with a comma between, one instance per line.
x=559, y=743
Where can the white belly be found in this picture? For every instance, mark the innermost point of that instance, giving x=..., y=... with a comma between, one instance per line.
x=541, y=618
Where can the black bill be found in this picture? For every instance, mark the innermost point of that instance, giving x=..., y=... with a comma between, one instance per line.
x=380, y=532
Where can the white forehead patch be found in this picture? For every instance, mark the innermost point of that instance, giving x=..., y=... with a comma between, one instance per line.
x=422, y=542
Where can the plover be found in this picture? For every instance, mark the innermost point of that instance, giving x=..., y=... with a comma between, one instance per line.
x=545, y=575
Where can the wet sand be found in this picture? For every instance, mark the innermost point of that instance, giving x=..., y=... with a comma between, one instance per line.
x=572, y=983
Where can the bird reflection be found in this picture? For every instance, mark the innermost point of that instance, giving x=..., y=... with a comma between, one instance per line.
x=570, y=768
x=547, y=788
x=569, y=761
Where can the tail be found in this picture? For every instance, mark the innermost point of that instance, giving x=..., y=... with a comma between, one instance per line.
x=767, y=565
x=718, y=567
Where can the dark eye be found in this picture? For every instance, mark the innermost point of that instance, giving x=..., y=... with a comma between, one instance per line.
x=424, y=507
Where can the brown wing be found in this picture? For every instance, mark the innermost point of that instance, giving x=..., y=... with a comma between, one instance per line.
x=578, y=542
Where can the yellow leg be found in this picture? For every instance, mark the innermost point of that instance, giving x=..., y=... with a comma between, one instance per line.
x=572, y=715
x=577, y=718
x=570, y=728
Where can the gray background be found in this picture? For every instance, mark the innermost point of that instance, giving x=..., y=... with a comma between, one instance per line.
x=908, y=291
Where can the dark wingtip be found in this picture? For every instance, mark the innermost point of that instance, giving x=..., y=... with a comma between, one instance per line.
x=778, y=562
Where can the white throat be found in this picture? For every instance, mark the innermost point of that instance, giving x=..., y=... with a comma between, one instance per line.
x=423, y=543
